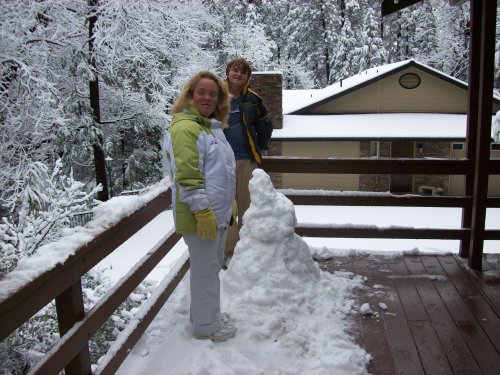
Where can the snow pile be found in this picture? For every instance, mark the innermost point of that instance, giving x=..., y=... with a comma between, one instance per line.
x=273, y=282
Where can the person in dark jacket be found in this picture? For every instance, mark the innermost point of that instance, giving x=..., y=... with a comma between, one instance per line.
x=249, y=131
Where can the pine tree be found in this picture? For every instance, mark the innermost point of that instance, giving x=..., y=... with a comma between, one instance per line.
x=452, y=52
x=424, y=40
x=371, y=51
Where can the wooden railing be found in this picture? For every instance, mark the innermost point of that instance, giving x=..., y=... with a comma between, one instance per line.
x=63, y=282
x=279, y=164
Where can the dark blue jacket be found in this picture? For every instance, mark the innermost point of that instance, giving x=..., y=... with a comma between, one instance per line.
x=258, y=125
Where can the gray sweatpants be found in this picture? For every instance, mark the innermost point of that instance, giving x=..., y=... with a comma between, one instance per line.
x=206, y=258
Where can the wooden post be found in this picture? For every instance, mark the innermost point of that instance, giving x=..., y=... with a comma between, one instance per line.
x=472, y=116
x=70, y=309
x=483, y=21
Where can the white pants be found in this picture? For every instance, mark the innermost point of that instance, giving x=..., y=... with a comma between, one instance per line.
x=206, y=260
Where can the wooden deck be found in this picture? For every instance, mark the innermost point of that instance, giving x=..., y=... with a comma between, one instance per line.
x=431, y=314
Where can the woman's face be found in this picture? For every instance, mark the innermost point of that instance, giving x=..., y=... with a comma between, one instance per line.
x=205, y=96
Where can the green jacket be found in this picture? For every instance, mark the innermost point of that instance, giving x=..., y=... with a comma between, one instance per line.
x=201, y=166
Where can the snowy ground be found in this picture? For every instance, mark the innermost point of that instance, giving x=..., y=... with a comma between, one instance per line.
x=278, y=299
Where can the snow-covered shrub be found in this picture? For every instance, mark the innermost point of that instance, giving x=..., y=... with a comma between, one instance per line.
x=47, y=202
x=24, y=347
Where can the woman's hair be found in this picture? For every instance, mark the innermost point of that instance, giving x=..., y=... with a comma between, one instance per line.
x=241, y=63
x=185, y=99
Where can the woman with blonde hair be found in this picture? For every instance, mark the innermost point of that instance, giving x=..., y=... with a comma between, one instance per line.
x=201, y=166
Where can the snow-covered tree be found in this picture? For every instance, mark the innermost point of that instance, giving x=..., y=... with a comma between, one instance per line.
x=242, y=33
x=452, y=53
x=144, y=52
x=310, y=29
x=424, y=38
x=399, y=30
x=48, y=201
x=345, y=58
x=250, y=42
x=371, y=51
x=39, y=49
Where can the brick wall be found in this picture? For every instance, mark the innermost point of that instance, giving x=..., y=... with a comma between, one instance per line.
x=269, y=86
x=432, y=150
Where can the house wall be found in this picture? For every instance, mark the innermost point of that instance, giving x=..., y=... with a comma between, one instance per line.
x=457, y=183
x=494, y=180
x=445, y=185
x=382, y=183
x=275, y=149
x=433, y=95
x=343, y=182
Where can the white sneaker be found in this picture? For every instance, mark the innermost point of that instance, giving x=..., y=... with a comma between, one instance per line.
x=223, y=334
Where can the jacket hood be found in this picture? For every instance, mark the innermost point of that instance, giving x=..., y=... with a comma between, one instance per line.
x=216, y=124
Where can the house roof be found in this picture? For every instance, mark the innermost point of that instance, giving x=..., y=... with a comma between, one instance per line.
x=296, y=100
x=297, y=125
x=299, y=101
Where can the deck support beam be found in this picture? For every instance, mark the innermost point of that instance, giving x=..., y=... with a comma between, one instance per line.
x=483, y=19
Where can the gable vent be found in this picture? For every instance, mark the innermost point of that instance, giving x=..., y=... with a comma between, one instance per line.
x=409, y=81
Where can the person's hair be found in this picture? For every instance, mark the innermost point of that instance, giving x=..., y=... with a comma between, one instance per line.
x=241, y=63
x=185, y=99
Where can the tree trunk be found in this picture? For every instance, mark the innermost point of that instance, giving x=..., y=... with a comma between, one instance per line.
x=99, y=158
x=327, y=55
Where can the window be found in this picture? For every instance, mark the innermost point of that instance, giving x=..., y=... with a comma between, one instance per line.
x=374, y=146
x=409, y=81
x=457, y=146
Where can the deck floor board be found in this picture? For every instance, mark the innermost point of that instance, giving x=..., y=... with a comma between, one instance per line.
x=431, y=313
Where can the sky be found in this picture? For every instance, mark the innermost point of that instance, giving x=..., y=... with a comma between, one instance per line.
x=274, y=292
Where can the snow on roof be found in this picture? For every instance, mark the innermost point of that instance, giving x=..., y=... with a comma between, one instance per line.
x=373, y=126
